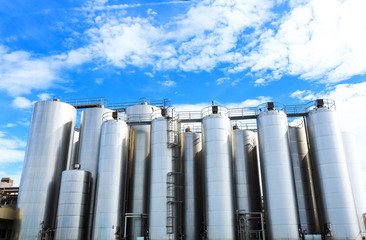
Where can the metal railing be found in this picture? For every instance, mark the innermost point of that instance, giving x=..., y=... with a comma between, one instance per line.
x=244, y=125
x=122, y=106
x=142, y=216
x=250, y=225
x=86, y=101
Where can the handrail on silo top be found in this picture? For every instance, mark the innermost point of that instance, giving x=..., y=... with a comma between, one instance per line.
x=243, y=125
x=189, y=115
x=116, y=115
x=271, y=106
x=214, y=109
x=321, y=103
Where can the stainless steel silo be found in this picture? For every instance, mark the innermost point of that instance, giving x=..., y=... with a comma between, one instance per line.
x=305, y=191
x=246, y=178
x=138, y=169
x=279, y=194
x=48, y=151
x=163, y=201
x=75, y=149
x=72, y=211
x=191, y=145
x=219, y=195
x=335, y=193
x=90, y=130
x=356, y=173
x=356, y=176
x=111, y=184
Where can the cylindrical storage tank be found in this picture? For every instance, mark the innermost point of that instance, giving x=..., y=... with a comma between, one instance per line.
x=305, y=192
x=191, y=147
x=246, y=174
x=111, y=184
x=72, y=216
x=90, y=130
x=279, y=194
x=138, y=169
x=335, y=192
x=356, y=175
x=162, y=210
x=75, y=149
x=219, y=197
x=48, y=151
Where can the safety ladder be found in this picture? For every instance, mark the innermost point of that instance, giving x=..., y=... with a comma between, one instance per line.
x=174, y=187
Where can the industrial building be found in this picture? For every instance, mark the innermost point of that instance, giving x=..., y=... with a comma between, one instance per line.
x=146, y=171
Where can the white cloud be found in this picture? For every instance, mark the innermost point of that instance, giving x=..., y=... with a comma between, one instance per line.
x=20, y=72
x=167, y=83
x=318, y=40
x=22, y=102
x=11, y=149
x=222, y=80
x=260, y=82
x=250, y=102
x=44, y=96
x=200, y=39
x=9, y=125
x=236, y=82
x=99, y=81
x=151, y=12
x=304, y=95
x=149, y=74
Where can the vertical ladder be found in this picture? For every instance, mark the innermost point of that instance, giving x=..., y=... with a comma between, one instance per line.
x=173, y=182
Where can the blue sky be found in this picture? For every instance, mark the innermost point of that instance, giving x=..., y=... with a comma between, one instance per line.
x=236, y=52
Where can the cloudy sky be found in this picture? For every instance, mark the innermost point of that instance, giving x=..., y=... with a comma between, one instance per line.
x=236, y=52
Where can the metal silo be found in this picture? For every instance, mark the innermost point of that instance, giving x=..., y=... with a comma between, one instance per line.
x=138, y=170
x=219, y=197
x=90, y=130
x=305, y=192
x=111, y=184
x=163, y=199
x=246, y=174
x=75, y=149
x=191, y=148
x=356, y=175
x=72, y=215
x=279, y=194
x=335, y=193
x=48, y=150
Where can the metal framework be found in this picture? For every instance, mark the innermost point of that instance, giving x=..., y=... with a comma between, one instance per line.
x=246, y=221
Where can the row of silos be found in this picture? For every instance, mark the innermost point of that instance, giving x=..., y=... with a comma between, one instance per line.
x=144, y=180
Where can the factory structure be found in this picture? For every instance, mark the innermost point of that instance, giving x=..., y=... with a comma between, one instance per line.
x=143, y=170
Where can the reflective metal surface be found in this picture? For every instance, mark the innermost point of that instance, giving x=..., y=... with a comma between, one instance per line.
x=191, y=148
x=356, y=176
x=90, y=130
x=335, y=192
x=162, y=211
x=279, y=194
x=246, y=173
x=111, y=184
x=138, y=169
x=72, y=216
x=48, y=150
x=305, y=192
x=75, y=149
x=219, y=197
